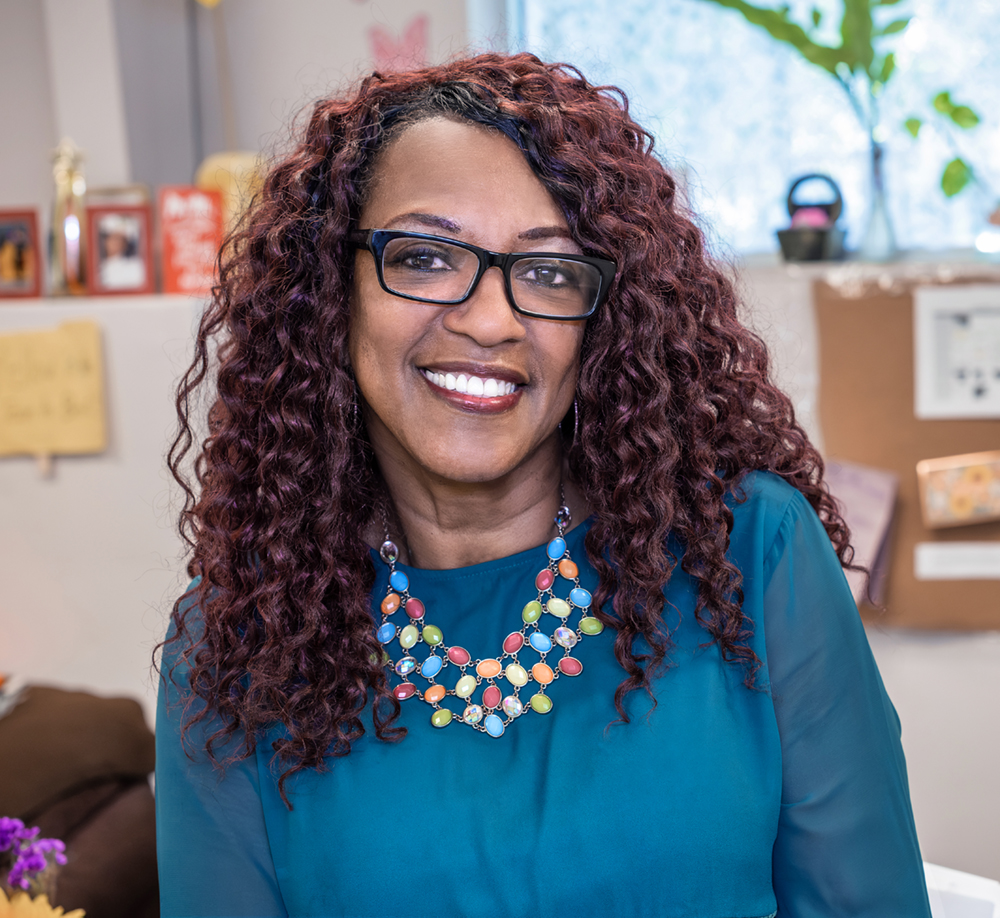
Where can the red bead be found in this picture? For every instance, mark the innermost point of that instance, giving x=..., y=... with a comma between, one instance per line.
x=570, y=666
x=414, y=608
x=491, y=697
x=459, y=655
x=545, y=579
x=404, y=690
x=513, y=642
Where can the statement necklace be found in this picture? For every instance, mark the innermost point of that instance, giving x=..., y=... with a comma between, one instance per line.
x=494, y=711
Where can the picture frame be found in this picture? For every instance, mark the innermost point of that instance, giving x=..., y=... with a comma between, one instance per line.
x=21, y=262
x=120, y=244
x=956, y=350
x=960, y=490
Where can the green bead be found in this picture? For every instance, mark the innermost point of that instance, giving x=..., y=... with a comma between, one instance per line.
x=540, y=704
x=532, y=611
x=408, y=637
x=441, y=717
x=465, y=686
x=591, y=625
x=433, y=635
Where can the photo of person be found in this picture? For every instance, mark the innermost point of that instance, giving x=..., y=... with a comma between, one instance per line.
x=120, y=250
x=18, y=255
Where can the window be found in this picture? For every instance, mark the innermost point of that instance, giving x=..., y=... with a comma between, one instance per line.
x=741, y=116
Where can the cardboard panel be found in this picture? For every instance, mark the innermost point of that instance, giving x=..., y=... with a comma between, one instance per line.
x=866, y=412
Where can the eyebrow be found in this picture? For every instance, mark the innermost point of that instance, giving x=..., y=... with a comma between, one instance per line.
x=433, y=221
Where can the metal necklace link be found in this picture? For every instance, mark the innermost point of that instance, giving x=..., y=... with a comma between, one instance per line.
x=483, y=715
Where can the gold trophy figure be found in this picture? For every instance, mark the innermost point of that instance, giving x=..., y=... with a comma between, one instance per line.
x=67, y=240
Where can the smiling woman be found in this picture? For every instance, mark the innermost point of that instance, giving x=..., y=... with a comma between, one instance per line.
x=513, y=572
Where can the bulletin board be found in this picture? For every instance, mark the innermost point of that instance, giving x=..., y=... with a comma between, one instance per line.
x=866, y=406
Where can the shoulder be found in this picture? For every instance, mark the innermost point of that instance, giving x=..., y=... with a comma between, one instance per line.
x=763, y=504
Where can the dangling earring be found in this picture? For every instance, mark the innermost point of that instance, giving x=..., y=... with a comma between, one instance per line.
x=576, y=424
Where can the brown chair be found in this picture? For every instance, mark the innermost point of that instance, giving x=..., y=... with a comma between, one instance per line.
x=77, y=766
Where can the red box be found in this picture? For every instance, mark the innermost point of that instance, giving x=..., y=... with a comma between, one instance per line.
x=190, y=234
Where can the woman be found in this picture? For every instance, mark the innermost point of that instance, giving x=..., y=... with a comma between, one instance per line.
x=519, y=589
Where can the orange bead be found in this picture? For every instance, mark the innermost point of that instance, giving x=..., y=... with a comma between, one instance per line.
x=542, y=673
x=568, y=569
x=434, y=694
x=487, y=669
x=390, y=604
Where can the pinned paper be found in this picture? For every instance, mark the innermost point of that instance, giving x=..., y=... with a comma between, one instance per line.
x=52, y=391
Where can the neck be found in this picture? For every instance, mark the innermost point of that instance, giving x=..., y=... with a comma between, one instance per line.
x=441, y=524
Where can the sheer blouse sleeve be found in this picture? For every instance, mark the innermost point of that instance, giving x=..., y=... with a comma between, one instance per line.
x=846, y=842
x=212, y=845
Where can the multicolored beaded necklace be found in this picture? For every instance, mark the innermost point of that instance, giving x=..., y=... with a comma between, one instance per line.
x=495, y=711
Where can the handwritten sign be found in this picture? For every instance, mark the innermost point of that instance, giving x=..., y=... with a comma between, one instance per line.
x=52, y=391
x=191, y=225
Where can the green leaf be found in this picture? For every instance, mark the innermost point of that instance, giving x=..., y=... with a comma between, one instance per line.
x=886, y=2
x=817, y=16
x=895, y=26
x=913, y=125
x=955, y=177
x=964, y=116
x=782, y=30
x=888, y=65
x=856, y=34
x=942, y=102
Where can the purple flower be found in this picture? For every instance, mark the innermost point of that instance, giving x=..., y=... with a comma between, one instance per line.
x=30, y=853
x=12, y=832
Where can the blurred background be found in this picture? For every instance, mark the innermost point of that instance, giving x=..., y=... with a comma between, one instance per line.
x=905, y=120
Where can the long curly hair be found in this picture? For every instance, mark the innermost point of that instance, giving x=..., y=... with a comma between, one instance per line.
x=674, y=403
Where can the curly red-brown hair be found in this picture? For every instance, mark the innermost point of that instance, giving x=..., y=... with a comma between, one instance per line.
x=674, y=407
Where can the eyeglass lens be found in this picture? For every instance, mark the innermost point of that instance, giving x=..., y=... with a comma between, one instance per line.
x=433, y=270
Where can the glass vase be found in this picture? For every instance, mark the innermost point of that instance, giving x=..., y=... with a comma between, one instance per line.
x=879, y=243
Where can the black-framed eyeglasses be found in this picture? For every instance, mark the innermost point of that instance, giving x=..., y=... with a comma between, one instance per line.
x=434, y=269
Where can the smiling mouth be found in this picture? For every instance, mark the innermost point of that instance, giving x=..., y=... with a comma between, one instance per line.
x=467, y=384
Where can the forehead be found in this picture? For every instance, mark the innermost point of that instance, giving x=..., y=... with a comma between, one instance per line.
x=458, y=170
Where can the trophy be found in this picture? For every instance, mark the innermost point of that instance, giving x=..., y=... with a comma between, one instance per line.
x=67, y=241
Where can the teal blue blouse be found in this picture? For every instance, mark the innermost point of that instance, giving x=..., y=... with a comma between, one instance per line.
x=720, y=801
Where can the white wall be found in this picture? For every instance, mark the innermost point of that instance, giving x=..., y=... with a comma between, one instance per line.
x=89, y=560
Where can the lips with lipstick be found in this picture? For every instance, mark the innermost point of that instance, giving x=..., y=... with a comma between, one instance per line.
x=474, y=390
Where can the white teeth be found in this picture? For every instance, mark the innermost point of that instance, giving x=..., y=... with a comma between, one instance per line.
x=471, y=385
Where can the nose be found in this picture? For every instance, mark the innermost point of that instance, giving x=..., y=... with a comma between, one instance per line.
x=487, y=316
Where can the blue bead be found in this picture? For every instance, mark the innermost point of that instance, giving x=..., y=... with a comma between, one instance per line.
x=580, y=597
x=493, y=725
x=399, y=581
x=556, y=549
x=431, y=667
x=386, y=633
x=540, y=642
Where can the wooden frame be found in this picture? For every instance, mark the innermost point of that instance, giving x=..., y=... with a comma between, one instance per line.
x=119, y=250
x=20, y=254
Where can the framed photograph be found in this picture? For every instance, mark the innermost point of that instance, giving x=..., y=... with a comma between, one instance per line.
x=960, y=490
x=957, y=351
x=20, y=255
x=119, y=249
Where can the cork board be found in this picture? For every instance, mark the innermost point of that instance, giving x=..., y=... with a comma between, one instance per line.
x=866, y=401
